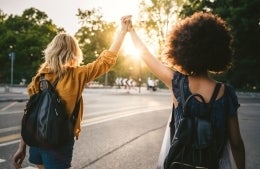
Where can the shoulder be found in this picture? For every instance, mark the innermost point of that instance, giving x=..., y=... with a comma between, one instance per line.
x=177, y=77
x=230, y=92
x=176, y=81
x=33, y=86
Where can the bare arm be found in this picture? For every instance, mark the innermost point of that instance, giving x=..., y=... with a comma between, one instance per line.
x=115, y=46
x=236, y=142
x=161, y=71
x=19, y=155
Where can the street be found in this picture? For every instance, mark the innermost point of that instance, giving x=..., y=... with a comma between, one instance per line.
x=123, y=129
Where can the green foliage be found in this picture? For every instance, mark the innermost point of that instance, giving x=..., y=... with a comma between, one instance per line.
x=94, y=36
x=26, y=35
x=95, y=33
x=155, y=17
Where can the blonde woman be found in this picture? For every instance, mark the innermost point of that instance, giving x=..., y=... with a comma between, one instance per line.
x=62, y=59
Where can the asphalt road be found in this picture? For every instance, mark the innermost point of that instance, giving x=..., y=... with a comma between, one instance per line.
x=123, y=130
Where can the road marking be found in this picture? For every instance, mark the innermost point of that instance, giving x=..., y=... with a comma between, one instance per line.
x=10, y=137
x=105, y=118
x=8, y=106
x=9, y=143
x=2, y=160
x=122, y=109
x=250, y=104
x=4, y=130
x=10, y=112
x=15, y=138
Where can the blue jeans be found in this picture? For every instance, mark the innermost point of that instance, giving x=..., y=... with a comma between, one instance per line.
x=56, y=158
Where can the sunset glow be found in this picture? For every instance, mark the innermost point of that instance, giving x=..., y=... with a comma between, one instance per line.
x=63, y=13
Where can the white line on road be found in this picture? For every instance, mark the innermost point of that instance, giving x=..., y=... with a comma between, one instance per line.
x=95, y=120
x=4, y=130
x=29, y=167
x=9, y=143
x=101, y=119
x=2, y=160
x=250, y=104
x=8, y=106
x=10, y=112
x=122, y=109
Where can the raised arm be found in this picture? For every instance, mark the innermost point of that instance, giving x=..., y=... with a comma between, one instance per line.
x=116, y=44
x=106, y=59
x=161, y=71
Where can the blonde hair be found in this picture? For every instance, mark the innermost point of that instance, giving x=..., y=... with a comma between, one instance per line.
x=63, y=51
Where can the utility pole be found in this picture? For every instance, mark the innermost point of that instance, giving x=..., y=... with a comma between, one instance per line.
x=12, y=56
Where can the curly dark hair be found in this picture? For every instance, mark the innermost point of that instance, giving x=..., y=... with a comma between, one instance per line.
x=199, y=44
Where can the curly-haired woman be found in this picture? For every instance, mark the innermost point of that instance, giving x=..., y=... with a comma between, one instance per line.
x=196, y=46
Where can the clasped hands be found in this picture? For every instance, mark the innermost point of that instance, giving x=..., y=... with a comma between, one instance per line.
x=126, y=23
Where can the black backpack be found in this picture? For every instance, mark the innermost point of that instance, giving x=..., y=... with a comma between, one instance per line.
x=193, y=144
x=45, y=122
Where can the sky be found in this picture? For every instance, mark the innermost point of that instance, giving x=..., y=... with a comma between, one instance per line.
x=63, y=12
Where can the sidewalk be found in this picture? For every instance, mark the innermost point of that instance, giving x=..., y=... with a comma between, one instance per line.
x=20, y=93
x=13, y=94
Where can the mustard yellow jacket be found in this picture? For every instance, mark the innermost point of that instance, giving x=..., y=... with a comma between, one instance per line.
x=71, y=86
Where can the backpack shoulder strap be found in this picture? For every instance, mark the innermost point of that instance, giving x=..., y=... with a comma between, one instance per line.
x=213, y=97
x=185, y=102
x=182, y=93
x=45, y=85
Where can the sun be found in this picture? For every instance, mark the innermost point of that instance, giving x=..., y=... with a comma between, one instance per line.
x=129, y=48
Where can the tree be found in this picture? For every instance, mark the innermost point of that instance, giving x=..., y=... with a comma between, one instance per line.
x=26, y=35
x=2, y=16
x=156, y=17
x=94, y=36
x=95, y=33
x=243, y=19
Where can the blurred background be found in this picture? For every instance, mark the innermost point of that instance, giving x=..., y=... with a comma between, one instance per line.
x=27, y=26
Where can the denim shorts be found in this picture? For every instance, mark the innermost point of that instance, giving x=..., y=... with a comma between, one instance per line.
x=58, y=158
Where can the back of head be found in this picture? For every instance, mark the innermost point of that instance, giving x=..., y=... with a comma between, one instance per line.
x=61, y=52
x=199, y=44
